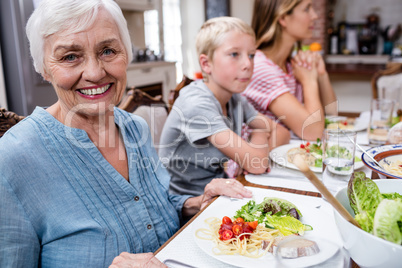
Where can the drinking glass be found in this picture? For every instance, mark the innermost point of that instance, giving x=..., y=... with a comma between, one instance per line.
x=338, y=158
x=381, y=113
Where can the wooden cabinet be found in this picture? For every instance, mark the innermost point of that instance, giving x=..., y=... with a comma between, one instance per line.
x=137, y=5
x=148, y=74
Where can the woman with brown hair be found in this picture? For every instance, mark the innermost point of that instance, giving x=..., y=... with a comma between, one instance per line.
x=293, y=90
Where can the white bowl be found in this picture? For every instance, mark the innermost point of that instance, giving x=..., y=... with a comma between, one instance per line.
x=364, y=248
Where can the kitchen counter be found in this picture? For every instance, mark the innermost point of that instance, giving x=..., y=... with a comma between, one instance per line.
x=362, y=65
x=354, y=68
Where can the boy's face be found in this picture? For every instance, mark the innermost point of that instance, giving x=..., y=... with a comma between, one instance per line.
x=233, y=62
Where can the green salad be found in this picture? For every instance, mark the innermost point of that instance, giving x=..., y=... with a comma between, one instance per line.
x=377, y=213
x=274, y=213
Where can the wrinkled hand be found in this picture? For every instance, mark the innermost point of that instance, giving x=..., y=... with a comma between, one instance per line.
x=129, y=260
x=226, y=187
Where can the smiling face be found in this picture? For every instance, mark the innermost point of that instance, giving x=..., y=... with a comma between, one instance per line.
x=87, y=69
x=300, y=23
x=232, y=65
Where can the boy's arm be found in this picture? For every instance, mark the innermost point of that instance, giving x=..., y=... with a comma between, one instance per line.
x=279, y=135
x=252, y=155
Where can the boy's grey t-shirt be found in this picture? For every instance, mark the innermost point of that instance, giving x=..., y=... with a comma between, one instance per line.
x=190, y=158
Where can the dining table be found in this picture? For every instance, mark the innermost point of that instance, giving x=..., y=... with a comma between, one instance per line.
x=282, y=181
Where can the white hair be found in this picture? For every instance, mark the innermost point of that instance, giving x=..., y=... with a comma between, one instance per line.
x=72, y=16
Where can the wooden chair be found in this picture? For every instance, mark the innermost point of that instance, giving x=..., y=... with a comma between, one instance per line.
x=7, y=120
x=153, y=109
x=174, y=93
x=392, y=71
x=135, y=98
x=390, y=77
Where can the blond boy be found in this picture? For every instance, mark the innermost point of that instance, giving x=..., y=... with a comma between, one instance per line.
x=203, y=130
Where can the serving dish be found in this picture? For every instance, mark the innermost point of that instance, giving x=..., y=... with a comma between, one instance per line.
x=356, y=124
x=364, y=248
x=278, y=155
x=323, y=226
x=390, y=153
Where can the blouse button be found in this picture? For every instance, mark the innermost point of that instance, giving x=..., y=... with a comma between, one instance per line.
x=136, y=198
x=149, y=226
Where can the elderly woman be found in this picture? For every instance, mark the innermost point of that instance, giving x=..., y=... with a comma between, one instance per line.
x=79, y=181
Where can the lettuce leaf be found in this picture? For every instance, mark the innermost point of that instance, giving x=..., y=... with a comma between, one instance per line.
x=250, y=212
x=364, y=197
x=279, y=206
x=392, y=196
x=388, y=220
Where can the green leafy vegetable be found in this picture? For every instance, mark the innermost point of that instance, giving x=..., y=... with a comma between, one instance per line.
x=377, y=213
x=364, y=197
x=388, y=219
x=250, y=212
x=273, y=205
x=392, y=196
x=275, y=213
x=286, y=224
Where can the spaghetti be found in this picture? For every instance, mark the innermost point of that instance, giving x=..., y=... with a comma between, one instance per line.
x=395, y=168
x=249, y=247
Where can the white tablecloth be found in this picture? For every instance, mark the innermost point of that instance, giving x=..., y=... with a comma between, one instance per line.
x=184, y=248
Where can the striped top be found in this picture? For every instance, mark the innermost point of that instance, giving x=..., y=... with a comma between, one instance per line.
x=269, y=82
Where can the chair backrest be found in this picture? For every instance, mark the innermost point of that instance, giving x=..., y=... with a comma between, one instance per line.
x=174, y=93
x=390, y=79
x=136, y=97
x=152, y=109
x=7, y=120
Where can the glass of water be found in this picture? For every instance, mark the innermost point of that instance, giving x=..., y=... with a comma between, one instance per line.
x=338, y=157
x=380, y=120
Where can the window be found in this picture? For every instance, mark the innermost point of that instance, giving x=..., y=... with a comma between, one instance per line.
x=171, y=31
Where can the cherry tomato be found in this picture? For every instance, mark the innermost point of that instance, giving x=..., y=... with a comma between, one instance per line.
x=226, y=226
x=226, y=220
x=307, y=144
x=237, y=229
x=253, y=224
x=302, y=146
x=345, y=123
x=246, y=231
x=239, y=220
x=226, y=235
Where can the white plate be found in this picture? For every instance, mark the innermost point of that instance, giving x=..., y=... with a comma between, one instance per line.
x=359, y=123
x=390, y=152
x=278, y=155
x=323, y=227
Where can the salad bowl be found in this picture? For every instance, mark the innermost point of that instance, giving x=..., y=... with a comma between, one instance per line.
x=364, y=248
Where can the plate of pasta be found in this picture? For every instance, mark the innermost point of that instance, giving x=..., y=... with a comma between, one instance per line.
x=389, y=157
x=310, y=152
x=249, y=252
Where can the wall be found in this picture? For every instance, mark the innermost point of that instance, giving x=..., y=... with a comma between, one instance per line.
x=193, y=16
